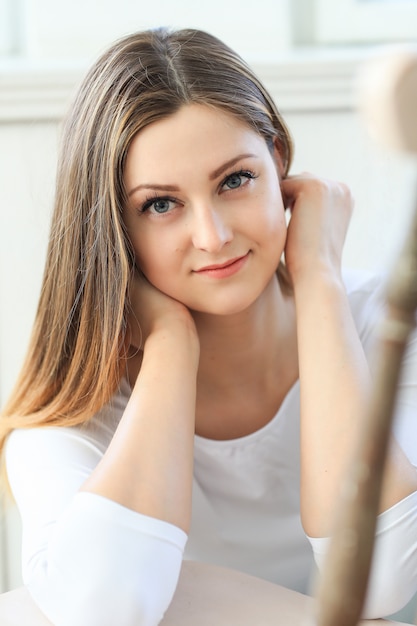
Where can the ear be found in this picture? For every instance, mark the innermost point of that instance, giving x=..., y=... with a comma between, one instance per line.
x=278, y=159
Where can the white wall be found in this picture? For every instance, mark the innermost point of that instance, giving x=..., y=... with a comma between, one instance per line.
x=80, y=28
x=314, y=89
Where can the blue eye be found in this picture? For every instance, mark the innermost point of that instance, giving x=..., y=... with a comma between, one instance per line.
x=237, y=179
x=158, y=205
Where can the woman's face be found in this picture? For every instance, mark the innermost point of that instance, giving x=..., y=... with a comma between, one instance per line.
x=205, y=212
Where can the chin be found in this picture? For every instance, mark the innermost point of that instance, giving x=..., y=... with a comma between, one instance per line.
x=226, y=305
x=220, y=311
x=229, y=299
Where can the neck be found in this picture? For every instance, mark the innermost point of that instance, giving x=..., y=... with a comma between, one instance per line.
x=250, y=345
x=248, y=363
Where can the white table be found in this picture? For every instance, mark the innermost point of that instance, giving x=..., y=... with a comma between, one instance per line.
x=207, y=595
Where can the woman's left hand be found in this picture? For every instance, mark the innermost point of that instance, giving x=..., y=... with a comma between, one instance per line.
x=320, y=214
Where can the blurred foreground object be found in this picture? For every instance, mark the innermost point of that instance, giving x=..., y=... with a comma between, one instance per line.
x=388, y=103
x=388, y=98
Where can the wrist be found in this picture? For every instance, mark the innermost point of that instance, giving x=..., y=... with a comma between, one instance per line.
x=318, y=277
x=177, y=335
x=319, y=290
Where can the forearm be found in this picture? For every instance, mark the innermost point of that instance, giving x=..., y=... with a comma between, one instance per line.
x=148, y=464
x=334, y=385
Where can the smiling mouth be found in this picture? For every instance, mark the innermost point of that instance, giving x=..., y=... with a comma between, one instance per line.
x=222, y=270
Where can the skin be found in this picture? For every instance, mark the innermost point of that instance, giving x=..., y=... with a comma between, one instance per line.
x=232, y=341
x=207, y=221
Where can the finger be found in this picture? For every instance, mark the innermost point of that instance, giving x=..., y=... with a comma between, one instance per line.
x=290, y=189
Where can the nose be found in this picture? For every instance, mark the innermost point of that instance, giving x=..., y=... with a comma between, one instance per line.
x=210, y=232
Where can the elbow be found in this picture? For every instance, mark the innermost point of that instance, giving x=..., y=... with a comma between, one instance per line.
x=392, y=581
x=106, y=565
x=393, y=577
x=109, y=565
x=388, y=592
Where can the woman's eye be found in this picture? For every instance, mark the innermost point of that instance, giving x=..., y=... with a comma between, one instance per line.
x=237, y=179
x=158, y=205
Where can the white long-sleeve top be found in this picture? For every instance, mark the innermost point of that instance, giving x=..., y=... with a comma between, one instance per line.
x=88, y=560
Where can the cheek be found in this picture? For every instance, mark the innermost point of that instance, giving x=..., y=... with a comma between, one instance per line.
x=273, y=220
x=150, y=263
x=158, y=263
x=146, y=256
x=278, y=237
x=274, y=228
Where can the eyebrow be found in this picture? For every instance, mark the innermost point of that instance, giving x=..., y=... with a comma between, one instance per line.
x=228, y=164
x=155, y=186
x=212, y=176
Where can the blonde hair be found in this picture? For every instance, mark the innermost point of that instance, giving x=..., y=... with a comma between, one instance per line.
x=77, y=351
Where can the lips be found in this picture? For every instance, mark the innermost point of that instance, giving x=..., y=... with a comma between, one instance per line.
x=225, y=269
x=220, y=266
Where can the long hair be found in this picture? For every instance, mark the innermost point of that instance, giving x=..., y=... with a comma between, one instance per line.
x=77, y=351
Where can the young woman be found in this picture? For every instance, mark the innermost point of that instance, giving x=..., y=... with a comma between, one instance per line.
x=186, y=393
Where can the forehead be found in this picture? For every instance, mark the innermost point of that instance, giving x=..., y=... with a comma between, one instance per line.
x=195, y=135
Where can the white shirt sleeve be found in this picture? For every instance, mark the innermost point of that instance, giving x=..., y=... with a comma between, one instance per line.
x=393, y=577
x=86, y=560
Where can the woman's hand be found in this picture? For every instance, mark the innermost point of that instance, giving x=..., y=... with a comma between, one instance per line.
x=151, y=310
x=320, y=214
x=333, y=372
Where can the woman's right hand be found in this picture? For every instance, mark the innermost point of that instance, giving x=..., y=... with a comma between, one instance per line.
x=152, y=310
